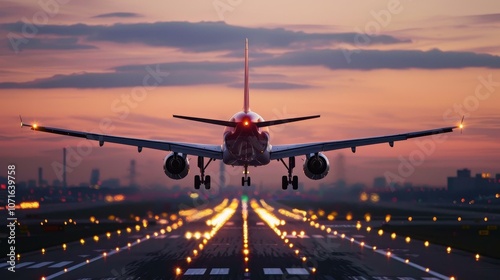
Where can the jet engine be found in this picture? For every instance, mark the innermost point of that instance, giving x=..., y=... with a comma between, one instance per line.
x=316, y=166
x=176, y=166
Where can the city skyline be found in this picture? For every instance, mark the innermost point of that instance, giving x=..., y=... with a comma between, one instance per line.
x=369, y=69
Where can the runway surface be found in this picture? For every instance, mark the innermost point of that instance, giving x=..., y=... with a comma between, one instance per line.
x=252, y=240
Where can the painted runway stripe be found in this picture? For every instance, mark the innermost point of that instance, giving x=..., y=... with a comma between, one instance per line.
x=297, y=271
x=61, y=264
x=219, y=271
x=273, y=271
x=160, y=237
x=38, y=265
x=24, y=264
x=195, y=271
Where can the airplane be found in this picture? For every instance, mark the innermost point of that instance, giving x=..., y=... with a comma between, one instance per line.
x=245, y=143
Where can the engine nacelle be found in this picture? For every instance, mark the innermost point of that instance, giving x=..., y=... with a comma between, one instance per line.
x=316, y=167
x=176, y=166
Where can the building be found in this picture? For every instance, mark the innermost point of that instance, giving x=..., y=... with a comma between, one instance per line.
x=463, y=182
x=94, y=177
x=481, y=183
x=379, y=183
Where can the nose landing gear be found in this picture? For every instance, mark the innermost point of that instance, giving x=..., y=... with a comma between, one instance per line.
x=246, y=178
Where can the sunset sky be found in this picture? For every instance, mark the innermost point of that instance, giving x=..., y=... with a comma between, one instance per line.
x=369, y=68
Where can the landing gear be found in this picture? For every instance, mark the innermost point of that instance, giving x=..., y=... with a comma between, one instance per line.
x=202, y=179
x=287, y=180
x=246, y=178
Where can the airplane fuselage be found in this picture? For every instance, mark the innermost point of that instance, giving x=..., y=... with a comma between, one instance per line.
x=246, y=144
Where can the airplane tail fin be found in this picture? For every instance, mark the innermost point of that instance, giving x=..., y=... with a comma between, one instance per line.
x=246, y=97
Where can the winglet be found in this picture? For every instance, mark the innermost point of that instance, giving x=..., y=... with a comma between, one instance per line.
x=246, y=97
x=33, y=126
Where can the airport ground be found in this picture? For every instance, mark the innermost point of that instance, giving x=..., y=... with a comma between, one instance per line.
x=236, y=238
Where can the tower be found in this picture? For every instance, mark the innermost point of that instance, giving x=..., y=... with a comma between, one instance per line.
x=222, y=176
x=94, y=177
x=64, y=168
x=132, y=173
x=339, y=171
x=40, y=177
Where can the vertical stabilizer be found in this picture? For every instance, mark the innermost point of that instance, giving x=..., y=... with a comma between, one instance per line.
x=246, y=100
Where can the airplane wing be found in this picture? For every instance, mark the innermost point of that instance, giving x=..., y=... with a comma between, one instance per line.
x=204, y=150
x=283, y=151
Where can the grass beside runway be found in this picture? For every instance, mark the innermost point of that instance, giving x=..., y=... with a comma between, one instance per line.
x=477, y=239
x=474, y=236
x=31, y=235
x=38, y=238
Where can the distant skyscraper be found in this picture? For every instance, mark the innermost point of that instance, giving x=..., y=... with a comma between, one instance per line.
x=94, y=177
x=64, y=168
x=379, y=183
x=40, y=177
x=132, y=173
x=222, y=176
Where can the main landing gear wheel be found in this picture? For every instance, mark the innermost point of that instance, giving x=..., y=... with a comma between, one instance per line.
x=246, y=178
x=289, y=180
x=202, y=179
x=197, y=182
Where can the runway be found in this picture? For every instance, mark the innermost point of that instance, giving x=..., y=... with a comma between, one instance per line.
x=253, y=240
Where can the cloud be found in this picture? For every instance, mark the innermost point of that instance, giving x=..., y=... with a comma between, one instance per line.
x=485, y=18
x=118, y=14
x=272, y=85
x=125, y=79
x=65, y=43
x=208, y=72
x=339, y=59
x=200, y=36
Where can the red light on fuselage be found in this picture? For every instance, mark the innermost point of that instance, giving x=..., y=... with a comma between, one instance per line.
x=246, y=122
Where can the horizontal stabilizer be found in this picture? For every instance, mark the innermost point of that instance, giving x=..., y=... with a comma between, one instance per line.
x=233, y=124
x=211, y=121
x=282, y=121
